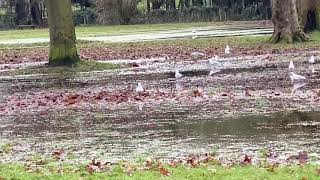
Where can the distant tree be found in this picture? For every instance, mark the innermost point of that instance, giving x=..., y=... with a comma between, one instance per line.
x=21, y=9
x=63, y=49
x=35, y=12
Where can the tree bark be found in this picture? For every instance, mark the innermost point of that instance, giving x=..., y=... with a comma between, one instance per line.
x=286, y=22
x=21, y=12
x=63, y=49
x=35, y=12
x=309, y=14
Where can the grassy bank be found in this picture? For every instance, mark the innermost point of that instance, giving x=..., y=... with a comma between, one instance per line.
x=309, y=172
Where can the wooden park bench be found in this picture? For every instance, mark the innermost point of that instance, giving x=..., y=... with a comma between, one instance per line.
x=26, y=26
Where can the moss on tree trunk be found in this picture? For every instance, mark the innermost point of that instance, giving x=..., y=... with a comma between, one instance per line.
x=63, y=49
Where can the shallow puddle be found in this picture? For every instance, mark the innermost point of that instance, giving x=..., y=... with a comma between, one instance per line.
x=174, y=133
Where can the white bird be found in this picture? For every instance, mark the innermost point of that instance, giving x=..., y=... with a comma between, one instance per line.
x=139, y=88
x=212, y=72
x=178, y=75
x=197, y=55
x=227, y=50
x=312, y=60
x=140, y=107
x=194, y=34
x=213, y=60
x=291, y=65
x=295, y=77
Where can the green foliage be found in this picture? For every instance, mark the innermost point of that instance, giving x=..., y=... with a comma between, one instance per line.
x=7, y=20
x=84, y=16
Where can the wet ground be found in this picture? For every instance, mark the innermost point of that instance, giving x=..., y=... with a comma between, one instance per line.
x=247, y=105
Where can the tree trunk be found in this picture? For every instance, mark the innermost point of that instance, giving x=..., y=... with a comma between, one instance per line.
x=35, y=12
x=309, y=14
x=63, y=49
x=286, y=22
x=148, y=6
x=21, y=12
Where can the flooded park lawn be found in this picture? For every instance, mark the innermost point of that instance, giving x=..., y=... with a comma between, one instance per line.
x=248, y=105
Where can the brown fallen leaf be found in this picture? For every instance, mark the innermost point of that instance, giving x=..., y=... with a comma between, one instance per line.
x=303, y=157
x=164, y=172
x=304, y=178
x=247, y=92
x=247, y=160
x=57, y=154
x=148, y=163
x=318, y=171
x=197, y=93
x=271, y=168
x=192, y=161
x=173, y=164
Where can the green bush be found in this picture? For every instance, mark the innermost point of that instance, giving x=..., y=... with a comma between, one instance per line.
x=7, y=20
x=84, y=16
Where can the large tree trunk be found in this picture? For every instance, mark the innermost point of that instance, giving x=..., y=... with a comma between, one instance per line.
x=62, y=33
x=309, y=14
x=286, y=22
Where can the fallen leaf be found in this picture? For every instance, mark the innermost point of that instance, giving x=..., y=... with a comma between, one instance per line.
x=148, y=163
x=247, y=92
x=303, y=157
x=247, y=160
x=318, y=171
x=164, y=172
x=57, y=154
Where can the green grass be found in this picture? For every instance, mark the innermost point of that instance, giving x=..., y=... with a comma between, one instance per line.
x=6, y=148
x=82, y=66
x=102, y=30
x=51, y=171
x=254, y=42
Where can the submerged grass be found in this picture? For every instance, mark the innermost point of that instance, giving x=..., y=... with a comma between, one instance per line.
x=50, y=171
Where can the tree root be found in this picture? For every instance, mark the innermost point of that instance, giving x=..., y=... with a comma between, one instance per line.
x=298, y=36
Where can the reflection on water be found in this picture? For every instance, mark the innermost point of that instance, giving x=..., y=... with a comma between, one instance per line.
x=130, y=134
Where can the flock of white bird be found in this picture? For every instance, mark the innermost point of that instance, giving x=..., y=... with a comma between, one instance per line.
x=214, y=62
x=296, y=77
